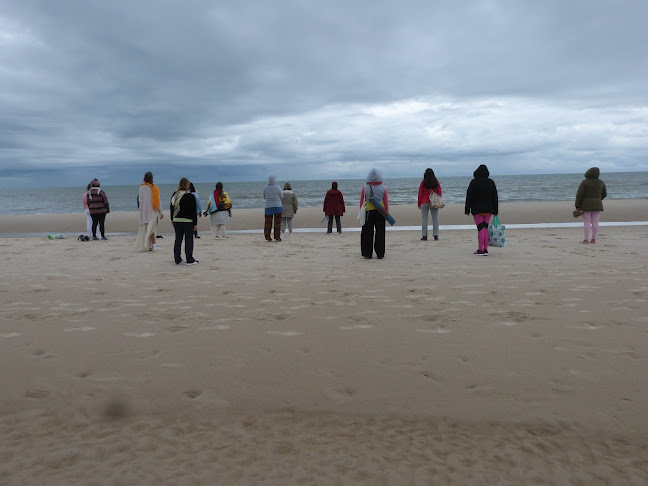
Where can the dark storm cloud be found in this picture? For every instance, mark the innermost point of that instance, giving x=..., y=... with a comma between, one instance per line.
x=315, y=87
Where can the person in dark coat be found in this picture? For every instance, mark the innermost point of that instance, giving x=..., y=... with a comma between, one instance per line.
x=589, y=199
x=482, y=203
x=98, y=207
x=374, y=221
x=185, y=219
x=334, y=207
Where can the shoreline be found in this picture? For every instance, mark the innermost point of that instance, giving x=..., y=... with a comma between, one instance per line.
x=511, y=213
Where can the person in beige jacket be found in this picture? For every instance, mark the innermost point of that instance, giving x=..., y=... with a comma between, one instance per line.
x=150, y=212
x=289, y=202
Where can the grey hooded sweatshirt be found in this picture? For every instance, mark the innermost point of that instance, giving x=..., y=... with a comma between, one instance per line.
x=272, y=193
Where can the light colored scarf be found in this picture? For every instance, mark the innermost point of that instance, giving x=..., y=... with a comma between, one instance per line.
x=155, y=195
x=176, y=202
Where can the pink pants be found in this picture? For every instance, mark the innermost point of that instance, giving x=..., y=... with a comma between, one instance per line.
x=591, y=219
x=482, y=230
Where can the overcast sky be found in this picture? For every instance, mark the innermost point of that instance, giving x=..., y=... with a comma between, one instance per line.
x=318, y=89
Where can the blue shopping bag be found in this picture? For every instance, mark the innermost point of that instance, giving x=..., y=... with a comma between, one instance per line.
x=496, y=233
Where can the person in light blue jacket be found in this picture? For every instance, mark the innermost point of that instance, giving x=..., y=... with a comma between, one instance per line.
x=193, y=191
x=273, y=197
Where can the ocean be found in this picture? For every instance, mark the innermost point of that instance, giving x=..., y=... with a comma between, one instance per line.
x=545, y=187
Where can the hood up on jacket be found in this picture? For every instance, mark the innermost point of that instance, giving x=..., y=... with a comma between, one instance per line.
x=482, y=171
x=272, y=179
x=593, y=173
x=374, y=176
x=94, y=183
x=334, y=185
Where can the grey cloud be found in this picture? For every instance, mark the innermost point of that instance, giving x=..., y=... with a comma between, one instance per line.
x=249, y=85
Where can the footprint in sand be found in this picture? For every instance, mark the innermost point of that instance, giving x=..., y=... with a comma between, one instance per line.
x=284, y=333
x=37, y=393
x=503, y=324
x=139, y=334
x=357, y=326
x=218, y=328
x=79, y=329
x=434, y=331
x=340, y=395
x=193, y=393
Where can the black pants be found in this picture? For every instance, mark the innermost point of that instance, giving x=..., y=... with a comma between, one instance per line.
x=183, y=230
x=338, y=224
x=98, y=219
x=373, y=220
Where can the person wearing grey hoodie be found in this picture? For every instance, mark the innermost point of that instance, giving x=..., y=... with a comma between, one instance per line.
x=272, y=196
x=374, y=220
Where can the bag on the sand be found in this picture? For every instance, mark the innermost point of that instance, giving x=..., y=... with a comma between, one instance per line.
x=496, y=231
x=436, y=201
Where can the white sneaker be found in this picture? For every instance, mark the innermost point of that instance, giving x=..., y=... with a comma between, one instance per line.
x=156, y=248
x=290, y=234
x=341, y=234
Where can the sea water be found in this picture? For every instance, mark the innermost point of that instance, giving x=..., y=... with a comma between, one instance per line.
x=545, y=187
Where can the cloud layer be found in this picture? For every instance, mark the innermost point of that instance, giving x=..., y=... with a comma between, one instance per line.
x=231, y=90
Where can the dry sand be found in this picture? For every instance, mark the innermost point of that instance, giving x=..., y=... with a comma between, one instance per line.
x=301, y=363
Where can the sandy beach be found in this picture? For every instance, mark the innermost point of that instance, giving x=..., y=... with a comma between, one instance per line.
x=301, y=363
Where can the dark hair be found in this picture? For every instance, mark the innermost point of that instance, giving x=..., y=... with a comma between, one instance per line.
x=148, y=177
x=191, y=187
x=219, y=186
x=429, y=179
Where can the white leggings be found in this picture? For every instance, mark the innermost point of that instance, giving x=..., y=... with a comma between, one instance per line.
x=284, y=222
x=219, y=229
x=591, y=219
x=88, y=222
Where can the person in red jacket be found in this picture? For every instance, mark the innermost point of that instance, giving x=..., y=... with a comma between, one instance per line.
x=334, y=206
x=429, y=185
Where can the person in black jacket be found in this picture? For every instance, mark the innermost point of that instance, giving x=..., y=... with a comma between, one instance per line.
x=481, y=201
x=185, y=221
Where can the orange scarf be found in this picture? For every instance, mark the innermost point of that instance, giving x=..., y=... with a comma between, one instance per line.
x=155, y=195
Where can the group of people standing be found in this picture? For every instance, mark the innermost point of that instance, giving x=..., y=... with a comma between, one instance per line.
x=281, y=206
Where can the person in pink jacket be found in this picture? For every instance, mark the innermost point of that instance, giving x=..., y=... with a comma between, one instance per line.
x=428, y=185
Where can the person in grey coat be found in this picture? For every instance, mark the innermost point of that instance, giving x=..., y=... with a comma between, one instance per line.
x=289, y=209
